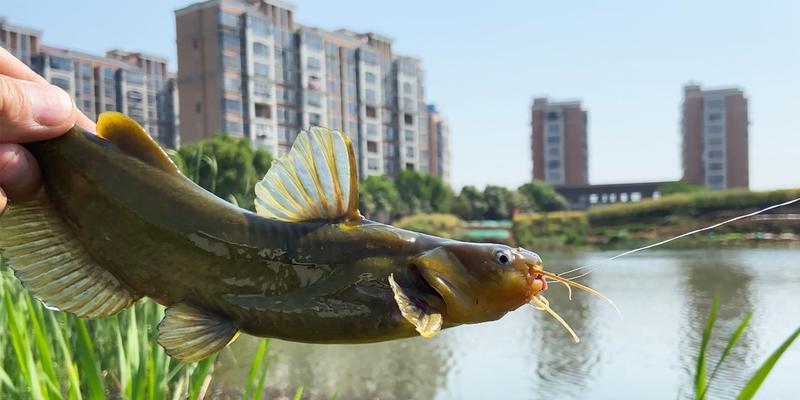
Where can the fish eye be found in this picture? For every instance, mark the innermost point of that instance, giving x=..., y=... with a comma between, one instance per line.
x=503, y=257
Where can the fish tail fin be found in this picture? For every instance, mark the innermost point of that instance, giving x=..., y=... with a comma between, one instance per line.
x=54, y=266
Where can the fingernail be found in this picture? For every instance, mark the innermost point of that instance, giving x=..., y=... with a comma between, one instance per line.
x=49, y=104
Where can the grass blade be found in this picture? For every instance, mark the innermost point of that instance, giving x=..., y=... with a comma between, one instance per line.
x=758, y=378
x=737, y=334
x=89, y=363
x=700, y=381
x=299, y=394
x=254, y=368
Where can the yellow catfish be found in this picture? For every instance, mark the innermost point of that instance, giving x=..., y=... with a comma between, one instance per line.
x=117, y=221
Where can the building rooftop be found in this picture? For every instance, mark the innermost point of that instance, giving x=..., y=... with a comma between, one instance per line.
x=24, y=29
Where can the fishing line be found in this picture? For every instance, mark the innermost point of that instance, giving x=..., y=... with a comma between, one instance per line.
x=595, y=266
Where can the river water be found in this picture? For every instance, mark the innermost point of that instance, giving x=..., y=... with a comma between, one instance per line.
x=651, y=353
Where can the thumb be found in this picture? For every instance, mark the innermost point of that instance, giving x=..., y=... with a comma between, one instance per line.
x=33, y=111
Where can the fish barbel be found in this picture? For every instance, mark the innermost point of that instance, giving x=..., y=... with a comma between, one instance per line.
x=116, y=221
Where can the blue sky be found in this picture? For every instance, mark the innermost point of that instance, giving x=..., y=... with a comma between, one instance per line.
x=484, y=61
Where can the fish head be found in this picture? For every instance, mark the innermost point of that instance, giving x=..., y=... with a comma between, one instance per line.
x=480, y=282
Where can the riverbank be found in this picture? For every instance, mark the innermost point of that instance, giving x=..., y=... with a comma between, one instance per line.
x=629, y=225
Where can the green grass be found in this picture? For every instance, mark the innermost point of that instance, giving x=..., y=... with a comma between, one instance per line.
x=702, y=383
x=48, y=355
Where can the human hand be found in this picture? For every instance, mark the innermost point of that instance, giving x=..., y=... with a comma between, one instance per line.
x=31, y=109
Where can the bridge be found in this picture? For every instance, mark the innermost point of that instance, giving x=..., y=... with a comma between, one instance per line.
x=582, y=197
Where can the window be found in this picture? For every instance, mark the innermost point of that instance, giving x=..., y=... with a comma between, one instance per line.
x=553, y=128
x=715, y=179
x=369, y=96
x=715, y=166
x=372, y=129
x=371, y=112
x=553, y=139
x=313, y=41
x=369, y=57
x=554, y=151
x=61, y=82
x=228, y=19
x=232, y=63
x=409, y=151
x=314, y=119
x=260, y=50
x=260, y=27
x=260, y=70
x=372, y=164
x=313, y=63
x=388, y=133
x=232, y=84
x=233, y=106
x=263, y=110
x=388, y=149
x=369, y=77
x=60, y=63
x=314, y=98
x=233, y=128
x=134, y=77
x=713, y=129
x=714, y=104
x=262, y=89
x=408, y=104
x=552, y=116
x=553, y=164
x=229, y=41
x=409, y=135
x=715, y=141
x=372, y=147
x=407, y=88
x=408, y=118
x=714, y=116
x=715, y=154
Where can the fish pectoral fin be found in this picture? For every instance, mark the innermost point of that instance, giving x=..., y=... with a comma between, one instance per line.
x=54, y=266
x=316, y=180
x=427, y=322
x=191, y=334
x=132, y=139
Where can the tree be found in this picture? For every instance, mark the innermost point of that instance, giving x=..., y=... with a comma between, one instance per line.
x=378, y=198
x=226, y=166
x=423, y=193
x=470, y=204
x=542, y=197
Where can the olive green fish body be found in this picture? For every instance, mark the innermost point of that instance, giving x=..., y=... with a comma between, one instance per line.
x=308, y=281
x=117, y=221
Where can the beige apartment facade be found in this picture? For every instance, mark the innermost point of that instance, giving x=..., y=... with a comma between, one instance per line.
x=559, y=142
x=715, y=136
x=248, y=69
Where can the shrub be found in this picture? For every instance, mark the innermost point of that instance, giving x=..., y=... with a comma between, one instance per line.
x=727, y=202
x=444, y=225
x=537, y=230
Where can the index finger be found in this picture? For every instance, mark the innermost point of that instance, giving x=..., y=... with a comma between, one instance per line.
x=12, y=67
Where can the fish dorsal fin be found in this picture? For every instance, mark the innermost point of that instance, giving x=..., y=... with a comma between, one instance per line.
x=191, y=334
x=132, y=139
x=316, y=180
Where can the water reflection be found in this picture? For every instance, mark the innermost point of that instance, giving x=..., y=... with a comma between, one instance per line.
x=651, y=353
x=564, y=368
x=405, y=369
x=702, y=278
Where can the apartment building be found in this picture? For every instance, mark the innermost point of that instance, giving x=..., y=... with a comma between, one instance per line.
x=714, y=133
x=559, y=142
x=438, y=154
x=248, y=69
x=136, y=84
